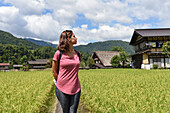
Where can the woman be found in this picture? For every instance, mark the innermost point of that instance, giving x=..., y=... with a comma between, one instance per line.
x=68, y=88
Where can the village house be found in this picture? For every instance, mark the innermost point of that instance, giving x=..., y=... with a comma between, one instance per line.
x=148, y=44
x=38, y=63
x=4, y=66
x=102, y=59
x=17, y=67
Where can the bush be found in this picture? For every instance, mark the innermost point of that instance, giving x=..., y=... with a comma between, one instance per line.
x=155, y=66
x=128, y=65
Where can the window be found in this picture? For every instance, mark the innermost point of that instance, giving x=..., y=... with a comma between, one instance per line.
x=159, y=44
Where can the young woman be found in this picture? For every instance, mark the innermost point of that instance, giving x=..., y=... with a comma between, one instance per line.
x=68, y=88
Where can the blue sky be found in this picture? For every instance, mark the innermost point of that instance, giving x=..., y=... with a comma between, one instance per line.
x=90, y=20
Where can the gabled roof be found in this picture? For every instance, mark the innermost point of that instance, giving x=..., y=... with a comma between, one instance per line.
x=153, y=32
x=105, y=56
x=39, y=61
x=4, y=64
x=149, y=33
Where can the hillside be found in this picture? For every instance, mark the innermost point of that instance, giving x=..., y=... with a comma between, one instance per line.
x=104, y=46
x=8, y=38
x=97, y=46
x=41, y=43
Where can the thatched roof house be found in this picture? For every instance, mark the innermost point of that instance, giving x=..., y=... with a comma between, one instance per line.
x=102, y=58
x=17, y=66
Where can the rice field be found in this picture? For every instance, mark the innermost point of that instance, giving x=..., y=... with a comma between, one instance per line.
x=24, y=92
x=103, y=90
x=126, y=90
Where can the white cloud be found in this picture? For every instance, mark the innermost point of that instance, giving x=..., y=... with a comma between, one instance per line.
x=44, y=26
x=105, y=32
x=10, y=15
x=28, y=7
x=114, y=20
x=104, y=12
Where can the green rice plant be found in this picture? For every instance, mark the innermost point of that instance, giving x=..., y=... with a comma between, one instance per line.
x=126, y=90
x=24, y=92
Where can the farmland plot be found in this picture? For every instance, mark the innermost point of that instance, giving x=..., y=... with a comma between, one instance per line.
x=126, y=90
x=24, y=92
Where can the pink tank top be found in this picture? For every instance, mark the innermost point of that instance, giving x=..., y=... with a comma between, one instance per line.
x=68, y=81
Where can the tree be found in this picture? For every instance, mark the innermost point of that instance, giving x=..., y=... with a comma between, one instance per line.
x=90, y=62
x=115, y=61
x=166, y=49
x=117, y=49
x=82, y=64
x=123, y=57
x=24, y=60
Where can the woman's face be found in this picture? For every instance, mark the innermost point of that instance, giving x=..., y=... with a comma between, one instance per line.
x=73, y=39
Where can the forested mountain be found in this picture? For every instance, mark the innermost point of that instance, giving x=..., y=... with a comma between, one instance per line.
x=8, y=38
x=41, y=43
x=105, y=46
x=97, y=46
x=18, y=51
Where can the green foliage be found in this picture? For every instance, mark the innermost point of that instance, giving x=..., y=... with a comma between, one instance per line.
x=7, y=38
x=166, y=49
x=115, y=61
x=21, y=54
x=123, y=58
x=90, y=62
x=82, y=64
x=105, y=46
x=24, y=60
x=117, y=49
x=155, y=66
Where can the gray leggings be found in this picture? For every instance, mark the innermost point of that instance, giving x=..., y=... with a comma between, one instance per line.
x=69, y=103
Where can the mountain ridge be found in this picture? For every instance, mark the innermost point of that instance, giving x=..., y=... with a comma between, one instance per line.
x=8, y=38
x=90, y=47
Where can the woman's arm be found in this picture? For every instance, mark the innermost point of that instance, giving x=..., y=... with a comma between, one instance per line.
x=54, y=69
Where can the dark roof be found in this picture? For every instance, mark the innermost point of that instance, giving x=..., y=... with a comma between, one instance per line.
x=153, y=32
x=149, y=33
x=39, y=61
x=105, y=56
x=4, y=64
x=38, y=67
x=42, y=60
x=36, y=62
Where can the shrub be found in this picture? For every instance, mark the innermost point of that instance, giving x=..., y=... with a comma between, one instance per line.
x=155, y=66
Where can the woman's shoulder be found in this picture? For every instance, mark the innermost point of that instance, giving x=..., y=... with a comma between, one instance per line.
x=57, y=52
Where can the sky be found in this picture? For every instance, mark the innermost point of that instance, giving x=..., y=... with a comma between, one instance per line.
x=90, y=20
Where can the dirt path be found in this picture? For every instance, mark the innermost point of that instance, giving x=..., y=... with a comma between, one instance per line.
x=81, y=109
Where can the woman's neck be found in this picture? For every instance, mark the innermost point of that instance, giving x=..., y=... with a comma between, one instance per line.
x=70, y=48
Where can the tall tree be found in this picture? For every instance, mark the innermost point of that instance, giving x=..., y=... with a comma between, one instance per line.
x=90, y=62
x=115, y=61
x=123, y=58
x=24, y=60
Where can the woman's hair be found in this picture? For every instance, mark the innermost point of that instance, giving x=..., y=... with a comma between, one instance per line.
x=63, y=41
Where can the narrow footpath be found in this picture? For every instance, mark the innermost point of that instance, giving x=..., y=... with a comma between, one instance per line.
x=81, y=109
